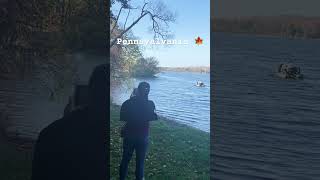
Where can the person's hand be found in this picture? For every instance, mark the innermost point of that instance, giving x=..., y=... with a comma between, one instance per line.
x=155, y=116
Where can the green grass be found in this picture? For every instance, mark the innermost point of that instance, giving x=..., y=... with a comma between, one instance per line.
x=175, y=151
x=14, y=164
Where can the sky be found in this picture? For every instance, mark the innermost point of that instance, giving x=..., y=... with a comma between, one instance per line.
x=192, y=20
x=232, y=8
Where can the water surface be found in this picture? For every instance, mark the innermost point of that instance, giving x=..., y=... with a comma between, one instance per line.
x=176, y=97
x=265, y=127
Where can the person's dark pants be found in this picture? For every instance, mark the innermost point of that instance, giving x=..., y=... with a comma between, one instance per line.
x=129, y=146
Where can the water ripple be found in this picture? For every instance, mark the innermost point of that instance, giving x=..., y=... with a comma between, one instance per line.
x=265, y=127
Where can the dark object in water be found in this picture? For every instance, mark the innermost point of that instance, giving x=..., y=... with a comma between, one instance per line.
x=289, y=71
x=200, y=84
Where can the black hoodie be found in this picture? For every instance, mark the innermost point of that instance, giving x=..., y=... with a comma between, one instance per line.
x=137, y=112
x=76, y=146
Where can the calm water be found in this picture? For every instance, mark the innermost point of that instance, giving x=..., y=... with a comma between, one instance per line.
x=265, y=127
x=176, y=97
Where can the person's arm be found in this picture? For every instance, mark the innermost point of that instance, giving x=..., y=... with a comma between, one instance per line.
x=154, y=115
x=124, y=111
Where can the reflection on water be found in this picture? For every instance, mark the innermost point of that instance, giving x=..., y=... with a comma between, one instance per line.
x=265, y=127
x=176, y=97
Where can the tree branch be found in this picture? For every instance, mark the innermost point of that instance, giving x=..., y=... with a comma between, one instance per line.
x=159, y=16
x=113, y=42
x=124, y=26
x=142, y=10
x=115, y=24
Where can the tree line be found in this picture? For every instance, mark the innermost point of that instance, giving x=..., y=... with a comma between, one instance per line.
x=283, y=26
x=36, y=34
x=128, y=60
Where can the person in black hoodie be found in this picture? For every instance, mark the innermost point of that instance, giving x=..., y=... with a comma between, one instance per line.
x=76, y=146
x=137, y=112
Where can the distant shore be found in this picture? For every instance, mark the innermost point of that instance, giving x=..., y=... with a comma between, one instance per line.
x=201, y=69
x=286, y=26
x=264, y=36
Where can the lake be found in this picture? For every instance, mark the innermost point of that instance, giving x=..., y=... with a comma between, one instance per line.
x=264, y=127
x=176, y=97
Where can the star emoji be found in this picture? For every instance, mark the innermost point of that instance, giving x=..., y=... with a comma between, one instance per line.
x=199, y=41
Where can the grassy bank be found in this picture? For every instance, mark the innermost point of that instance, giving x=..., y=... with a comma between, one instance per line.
x=14, y=164
x=175, y=151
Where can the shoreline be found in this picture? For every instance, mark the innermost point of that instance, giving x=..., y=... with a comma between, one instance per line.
x=267, y=36
x=168, y=120
x=192, y=69
x=176, y=123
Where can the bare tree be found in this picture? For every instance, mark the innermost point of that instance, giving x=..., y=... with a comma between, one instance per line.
x=158, y=13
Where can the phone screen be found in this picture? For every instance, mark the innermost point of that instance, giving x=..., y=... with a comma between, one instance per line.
x=160, y=62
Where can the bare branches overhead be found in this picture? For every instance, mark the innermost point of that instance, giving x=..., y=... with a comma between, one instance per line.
x=159, y=15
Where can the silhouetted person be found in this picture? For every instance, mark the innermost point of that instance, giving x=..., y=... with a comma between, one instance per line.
x=137, y=112
x=75, y=147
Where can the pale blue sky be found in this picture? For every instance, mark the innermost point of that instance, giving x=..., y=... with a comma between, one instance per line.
x=192, y=20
